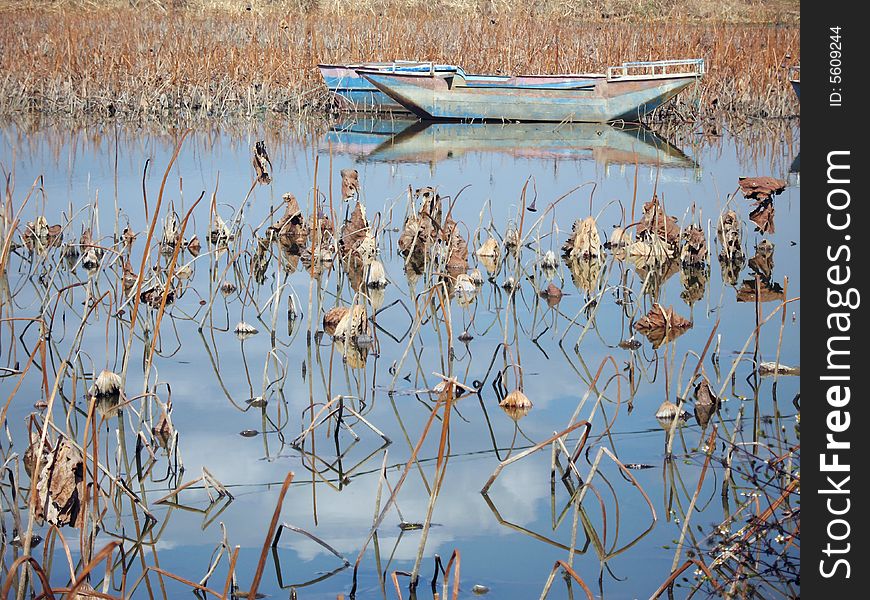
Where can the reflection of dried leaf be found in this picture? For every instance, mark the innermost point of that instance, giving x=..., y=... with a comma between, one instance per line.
x=703, y=414
x=70, y=254
x=377, y=297
x=90, y=260
x=761, y=188
x=731, y=268
x=694, y=280
x=510, y=285
x=661, y=325
x=762, y=216
x=354, y=355
x=516, y=412
x=260, y=260
x=351, y=327
x=490, y=263
x=631, y=344
x=585, y=273
x=464, y=290
x=414, y=269
x=653, y=260
x=184, y=272
x=762, y=262
x=355, y=269
x=767, y=291
x=488, y=254
x=585, y=242
x=421, y=229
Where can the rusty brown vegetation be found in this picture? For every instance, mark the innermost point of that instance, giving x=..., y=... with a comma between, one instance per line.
x=214, y=60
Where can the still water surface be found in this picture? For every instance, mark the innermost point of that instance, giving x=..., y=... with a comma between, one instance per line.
x=506, y=539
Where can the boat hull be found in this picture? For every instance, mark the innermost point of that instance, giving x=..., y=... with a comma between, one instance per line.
x=600, y=100
x=796, y=84
x=353, y=92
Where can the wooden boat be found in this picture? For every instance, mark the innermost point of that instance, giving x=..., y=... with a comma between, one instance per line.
x=354, y=92
x=627, y=92
x=428, y=142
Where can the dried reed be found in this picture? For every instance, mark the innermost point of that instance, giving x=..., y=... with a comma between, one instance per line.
x=211, y=62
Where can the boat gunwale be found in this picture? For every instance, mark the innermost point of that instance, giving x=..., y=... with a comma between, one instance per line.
x=599, y=77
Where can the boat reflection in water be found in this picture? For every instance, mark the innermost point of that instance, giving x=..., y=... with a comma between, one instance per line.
x=411, y=141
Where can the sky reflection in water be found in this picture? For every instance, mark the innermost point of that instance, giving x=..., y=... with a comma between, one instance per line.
x=494, y=162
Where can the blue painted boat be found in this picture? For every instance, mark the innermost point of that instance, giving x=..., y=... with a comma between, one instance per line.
x=353, y=92
x=627, y=92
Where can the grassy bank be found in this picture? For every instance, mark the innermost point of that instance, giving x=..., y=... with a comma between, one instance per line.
x=213, y=59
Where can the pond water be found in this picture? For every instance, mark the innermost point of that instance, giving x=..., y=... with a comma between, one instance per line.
x=508, y=540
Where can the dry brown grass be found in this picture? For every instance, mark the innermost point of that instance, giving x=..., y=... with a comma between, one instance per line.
x=731, y=11
x=153, y=62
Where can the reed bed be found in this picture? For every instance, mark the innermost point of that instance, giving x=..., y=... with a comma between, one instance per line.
x=211, y=62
